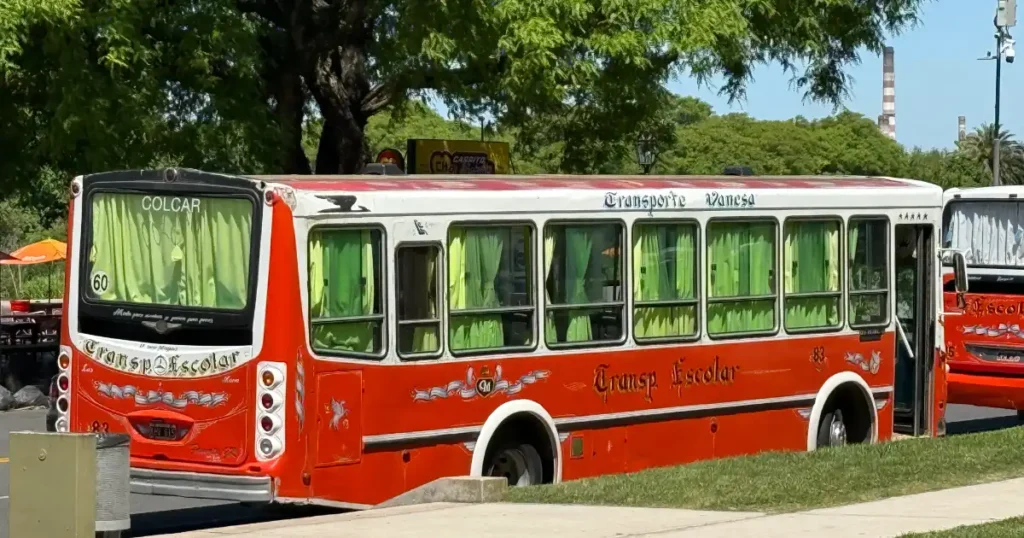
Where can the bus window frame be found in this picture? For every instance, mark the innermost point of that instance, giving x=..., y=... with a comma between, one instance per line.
x=890, y=278
x=383, y=281
x=698, y=285
x=440, y=277
x=531, y=280
x=624, y=268
x=947, y=216
x=191, y=183
x=843, y=269
x=708, y=300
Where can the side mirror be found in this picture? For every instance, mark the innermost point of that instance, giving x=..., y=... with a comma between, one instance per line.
x=960, y=272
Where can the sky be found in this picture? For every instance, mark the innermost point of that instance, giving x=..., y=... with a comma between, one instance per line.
x=938, y=78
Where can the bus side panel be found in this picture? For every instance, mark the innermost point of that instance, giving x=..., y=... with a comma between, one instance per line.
x=749, y=433
x=382, y=475
x=339, y=418
x=647, y=442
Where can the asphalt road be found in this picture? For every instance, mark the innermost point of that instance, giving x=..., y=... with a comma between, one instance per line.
x=159, y=515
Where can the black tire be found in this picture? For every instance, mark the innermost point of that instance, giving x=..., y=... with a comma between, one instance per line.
x=519, y=463
x=826, y=436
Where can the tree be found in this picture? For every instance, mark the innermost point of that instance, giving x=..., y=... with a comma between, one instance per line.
x=979, y=145
x=598, y=67
x=110, y=84
x=846, y=143
x=946, y=169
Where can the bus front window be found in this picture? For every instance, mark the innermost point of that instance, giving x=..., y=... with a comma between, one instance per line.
x=990, y=233
x=183, y=251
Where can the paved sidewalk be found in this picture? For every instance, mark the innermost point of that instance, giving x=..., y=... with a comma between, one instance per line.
x=879, y=519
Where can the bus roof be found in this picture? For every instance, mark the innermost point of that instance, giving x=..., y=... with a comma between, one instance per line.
x=363, y=183
x=984, y=193
x=472, y=194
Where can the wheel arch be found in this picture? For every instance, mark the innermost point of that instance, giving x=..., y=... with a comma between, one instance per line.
x=503, y=413
x=825, y=392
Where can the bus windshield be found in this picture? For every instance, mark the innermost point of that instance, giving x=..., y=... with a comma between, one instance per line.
x=990, y=233
x=184, y=251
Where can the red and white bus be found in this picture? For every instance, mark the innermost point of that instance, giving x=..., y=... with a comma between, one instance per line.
x=984, y=341
x=345, y=339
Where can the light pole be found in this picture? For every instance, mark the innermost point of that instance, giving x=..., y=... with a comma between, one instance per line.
x=1005, y=18
x=646, y=151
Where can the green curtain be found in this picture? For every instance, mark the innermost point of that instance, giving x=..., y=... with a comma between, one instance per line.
x=185, y=258
x=657, y=277
x=741, y=260
x=578, y=252
x=811, y=266
x=871, y=307
x=342, y=282
x=474, y=256
x=550, y=332
x=425, y=338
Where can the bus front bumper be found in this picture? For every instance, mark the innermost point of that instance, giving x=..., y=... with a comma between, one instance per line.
x=1003, y=392
x=254, y=489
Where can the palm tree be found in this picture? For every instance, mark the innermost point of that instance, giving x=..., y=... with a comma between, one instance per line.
x=978, y=147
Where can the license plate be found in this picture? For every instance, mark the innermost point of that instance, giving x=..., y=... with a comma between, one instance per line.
x=163, y=431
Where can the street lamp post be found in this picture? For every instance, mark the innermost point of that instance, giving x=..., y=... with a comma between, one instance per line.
x=646, y=152
x=1004, y=48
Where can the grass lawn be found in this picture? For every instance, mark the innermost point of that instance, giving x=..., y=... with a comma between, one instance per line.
x=1009, y=528
x=784, y=482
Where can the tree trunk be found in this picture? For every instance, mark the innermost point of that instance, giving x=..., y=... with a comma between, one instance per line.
x=339, y=84
x=290, y=102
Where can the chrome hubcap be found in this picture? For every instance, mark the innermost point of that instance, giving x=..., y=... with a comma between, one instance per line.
x=837, y=432
x=511, y=464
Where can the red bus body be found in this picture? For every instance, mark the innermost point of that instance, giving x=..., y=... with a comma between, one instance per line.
x=985, y=345
x=357, y=432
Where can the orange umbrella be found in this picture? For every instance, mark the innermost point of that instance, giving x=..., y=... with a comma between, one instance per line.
x=47, y=250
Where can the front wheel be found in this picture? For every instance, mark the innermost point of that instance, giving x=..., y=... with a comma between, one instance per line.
x=520, y=464
x=832, y=430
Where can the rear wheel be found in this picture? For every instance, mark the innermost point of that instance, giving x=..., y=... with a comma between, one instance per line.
x=520, y=464
x=832, y=429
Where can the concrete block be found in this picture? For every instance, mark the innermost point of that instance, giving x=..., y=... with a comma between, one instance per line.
x=454, y=489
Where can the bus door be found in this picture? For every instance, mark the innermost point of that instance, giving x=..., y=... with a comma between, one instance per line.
x=915, y=330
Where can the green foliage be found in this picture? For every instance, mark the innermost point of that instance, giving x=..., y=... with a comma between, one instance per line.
x=979, y=145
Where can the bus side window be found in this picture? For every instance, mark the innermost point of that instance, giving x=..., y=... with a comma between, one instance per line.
x=869, y=282
x=346, y=291
x=490, y=293
x=584, y=283
x=664, y=281
x=419, y=286
x=811, y=263
x=741, y=267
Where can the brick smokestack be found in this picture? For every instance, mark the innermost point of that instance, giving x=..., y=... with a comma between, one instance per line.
x=888, y=123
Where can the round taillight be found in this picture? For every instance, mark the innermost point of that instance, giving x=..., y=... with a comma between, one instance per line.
x=63, y=383
x=267, y=400
x=61, y=425
x=62, y=405
x=268, y=378
x=266, y=447
x=64, y=361
x=267, y=423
